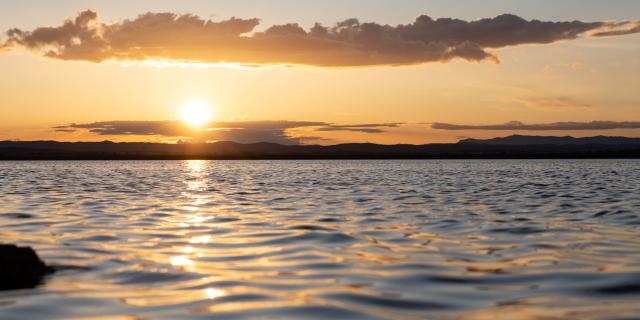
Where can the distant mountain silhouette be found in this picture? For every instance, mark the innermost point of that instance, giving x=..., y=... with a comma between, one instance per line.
x=536, y=140
x=507, y=147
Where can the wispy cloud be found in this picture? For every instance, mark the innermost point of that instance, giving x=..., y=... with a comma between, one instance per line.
x=618, y=29
x=366, y=128
x=553, y=102
x=169, y=36
x=566, y=126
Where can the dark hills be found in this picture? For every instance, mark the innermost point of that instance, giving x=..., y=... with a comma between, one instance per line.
x=537, y=140
x=515, y=146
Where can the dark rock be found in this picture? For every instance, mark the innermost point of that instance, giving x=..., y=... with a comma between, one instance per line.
x=20, y=268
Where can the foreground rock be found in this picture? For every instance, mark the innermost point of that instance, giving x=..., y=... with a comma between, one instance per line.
x=20, y=268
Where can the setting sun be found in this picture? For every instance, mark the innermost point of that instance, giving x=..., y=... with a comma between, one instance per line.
x=196, y=113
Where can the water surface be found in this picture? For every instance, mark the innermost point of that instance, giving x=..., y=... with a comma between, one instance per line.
x=522, y=239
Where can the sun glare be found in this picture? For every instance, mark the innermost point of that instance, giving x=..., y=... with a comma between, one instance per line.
x=196, y=113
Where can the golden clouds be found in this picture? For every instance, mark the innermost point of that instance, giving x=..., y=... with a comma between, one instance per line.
x=347, y=44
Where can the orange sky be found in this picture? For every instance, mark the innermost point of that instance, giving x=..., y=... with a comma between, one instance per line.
x=569, y=80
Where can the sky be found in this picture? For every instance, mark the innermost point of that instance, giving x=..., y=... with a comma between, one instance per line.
x=403, y=72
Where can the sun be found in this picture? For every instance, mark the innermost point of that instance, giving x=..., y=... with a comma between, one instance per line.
x=196, y=113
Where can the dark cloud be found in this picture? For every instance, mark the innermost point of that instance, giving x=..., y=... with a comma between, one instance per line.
x=517, y=125
x=258, y=131
x=238, y=131
x=161, y=128
x=348, y=43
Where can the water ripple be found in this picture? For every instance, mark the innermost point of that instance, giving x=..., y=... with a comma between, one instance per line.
x=327, y=239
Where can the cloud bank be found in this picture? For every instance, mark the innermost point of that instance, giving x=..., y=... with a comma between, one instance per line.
x=238, y=131
x=568, y=126
x=346, y=44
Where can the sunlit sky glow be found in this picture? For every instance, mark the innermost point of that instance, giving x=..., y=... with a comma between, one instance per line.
x=266, y=86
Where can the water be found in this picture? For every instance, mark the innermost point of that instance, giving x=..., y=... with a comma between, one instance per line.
x=327, y=239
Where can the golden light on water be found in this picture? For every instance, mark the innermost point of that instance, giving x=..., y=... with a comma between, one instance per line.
x=188, y=250
x=181, y=261
x=200, y=239
x=212, y=293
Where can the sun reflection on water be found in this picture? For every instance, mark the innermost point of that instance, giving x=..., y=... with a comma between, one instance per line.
x=200, y=239
x=212, y=293
x=193, y=215
x=180, y=261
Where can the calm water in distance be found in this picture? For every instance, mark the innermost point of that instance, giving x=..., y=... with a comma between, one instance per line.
x=510, y=239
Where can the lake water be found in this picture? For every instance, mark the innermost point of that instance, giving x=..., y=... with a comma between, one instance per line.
x=511, y=239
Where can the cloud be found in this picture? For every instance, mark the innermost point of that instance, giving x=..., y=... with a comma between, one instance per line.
x=554, y=102
x=366, y=128
x=314, y=140
x=517, y=125
x=105, y=128
x=238, y=131
x=618, y=29
x=349, y=43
